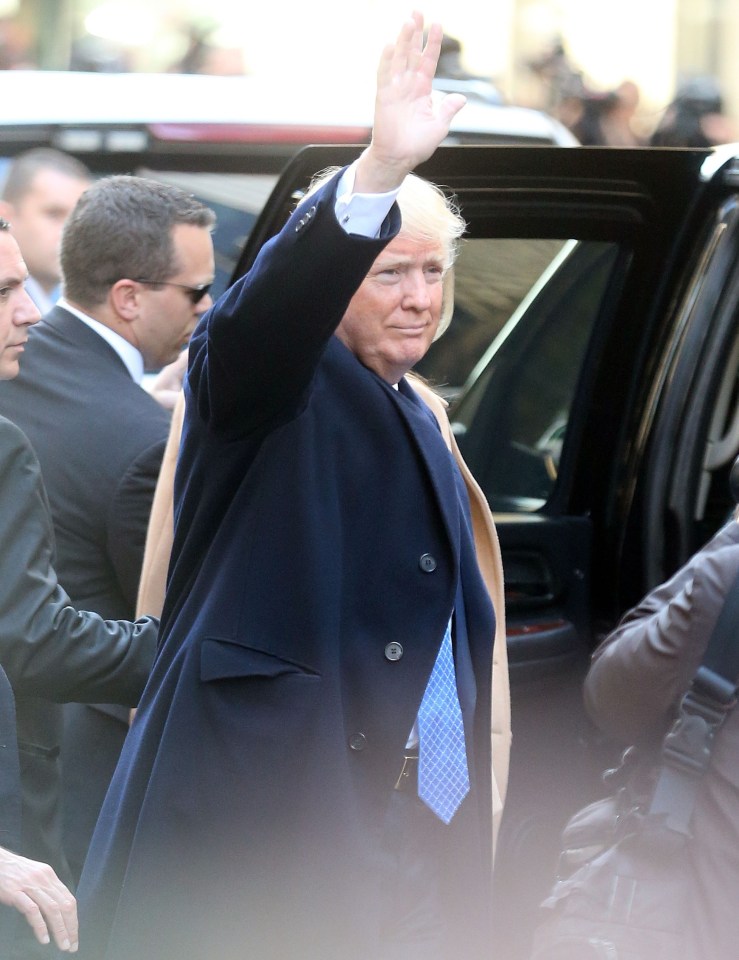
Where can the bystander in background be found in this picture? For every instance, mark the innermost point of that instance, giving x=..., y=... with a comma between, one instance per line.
x=49, y=652
x=695, y=118
x=27, y=887
x=137, y=259
x=637, y=679
x=40, y=190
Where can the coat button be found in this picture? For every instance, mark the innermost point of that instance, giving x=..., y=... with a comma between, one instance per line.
x=357, y=741
x=305, y=219
x=427, y=563
x=393, y=651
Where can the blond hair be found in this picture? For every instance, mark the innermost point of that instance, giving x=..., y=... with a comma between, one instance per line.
x=427, y=215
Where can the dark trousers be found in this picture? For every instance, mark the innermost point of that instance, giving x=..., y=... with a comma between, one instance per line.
x=436, y=894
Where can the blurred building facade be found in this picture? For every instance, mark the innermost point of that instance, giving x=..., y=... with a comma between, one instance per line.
x=656, y=45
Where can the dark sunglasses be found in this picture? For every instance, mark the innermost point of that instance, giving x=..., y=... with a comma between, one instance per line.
x=195, y=294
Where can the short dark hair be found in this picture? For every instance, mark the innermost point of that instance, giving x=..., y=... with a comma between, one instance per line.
x=24, y=167
x=121, y=228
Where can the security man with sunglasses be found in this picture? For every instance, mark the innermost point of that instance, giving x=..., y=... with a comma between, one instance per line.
x=137, y=264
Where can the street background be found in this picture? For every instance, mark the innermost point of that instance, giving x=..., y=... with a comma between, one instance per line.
x=526, y=47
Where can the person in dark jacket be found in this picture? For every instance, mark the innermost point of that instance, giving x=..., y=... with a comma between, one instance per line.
x=40, y=189
x=48, y=649
x=637, y=678
x=30, y=889
x=137, y=263
x=695, y=118
x=331, y=553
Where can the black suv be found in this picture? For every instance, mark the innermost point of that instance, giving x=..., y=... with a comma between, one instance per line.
x=225, y=139
x=591, y=368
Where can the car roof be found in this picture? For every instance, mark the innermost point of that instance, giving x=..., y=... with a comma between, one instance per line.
x=179, y=107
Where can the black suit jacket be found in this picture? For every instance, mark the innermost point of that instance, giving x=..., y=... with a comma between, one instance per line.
x=99, y=438
x=49, y=650
x=10, y=795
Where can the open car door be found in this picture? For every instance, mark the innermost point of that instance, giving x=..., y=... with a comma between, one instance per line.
x=577, y=292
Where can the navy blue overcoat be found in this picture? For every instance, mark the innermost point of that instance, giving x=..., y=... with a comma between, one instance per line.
x=318, y=518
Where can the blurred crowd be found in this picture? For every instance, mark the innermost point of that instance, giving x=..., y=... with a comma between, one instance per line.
x=696, y=116
x=195, y=44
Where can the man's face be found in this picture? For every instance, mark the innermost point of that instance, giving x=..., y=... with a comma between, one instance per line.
x=38, y=218
x=17, y=311
x=167, y=315
x=394, y=315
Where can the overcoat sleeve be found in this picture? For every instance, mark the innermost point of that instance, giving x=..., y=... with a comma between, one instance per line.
x=267, y=325
x=48, y=648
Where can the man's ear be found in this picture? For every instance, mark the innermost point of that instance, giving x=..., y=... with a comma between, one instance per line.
x=124, y=298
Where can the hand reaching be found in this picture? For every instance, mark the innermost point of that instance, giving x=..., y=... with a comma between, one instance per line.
x=410, y=122
x=167, y=385
x=35, y=891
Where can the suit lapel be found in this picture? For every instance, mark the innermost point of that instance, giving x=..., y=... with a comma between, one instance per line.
x=425, y=432
x=420, y=426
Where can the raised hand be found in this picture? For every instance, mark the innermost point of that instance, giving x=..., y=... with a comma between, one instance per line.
x=410, y=122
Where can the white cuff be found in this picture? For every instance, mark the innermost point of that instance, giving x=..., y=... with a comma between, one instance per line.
x=361, y=213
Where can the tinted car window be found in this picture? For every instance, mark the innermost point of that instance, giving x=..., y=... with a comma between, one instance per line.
x=525, y=312
x=492, y=277
x=224, y=138
x=236, y=198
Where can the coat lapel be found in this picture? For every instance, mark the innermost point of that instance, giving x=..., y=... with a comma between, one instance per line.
x=420, y=425
x=425, y=432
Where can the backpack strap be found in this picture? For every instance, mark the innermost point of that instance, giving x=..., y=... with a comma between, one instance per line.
x=686, y=749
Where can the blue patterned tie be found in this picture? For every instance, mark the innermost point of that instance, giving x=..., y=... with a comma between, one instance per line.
x=443, y=778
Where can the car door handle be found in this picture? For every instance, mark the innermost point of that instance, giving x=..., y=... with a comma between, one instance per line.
x=529, y=580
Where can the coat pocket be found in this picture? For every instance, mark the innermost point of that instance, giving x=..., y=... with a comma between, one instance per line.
x=226, y=659
x=38, y=751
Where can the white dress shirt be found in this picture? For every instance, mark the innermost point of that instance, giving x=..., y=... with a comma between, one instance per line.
x=361, y=213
